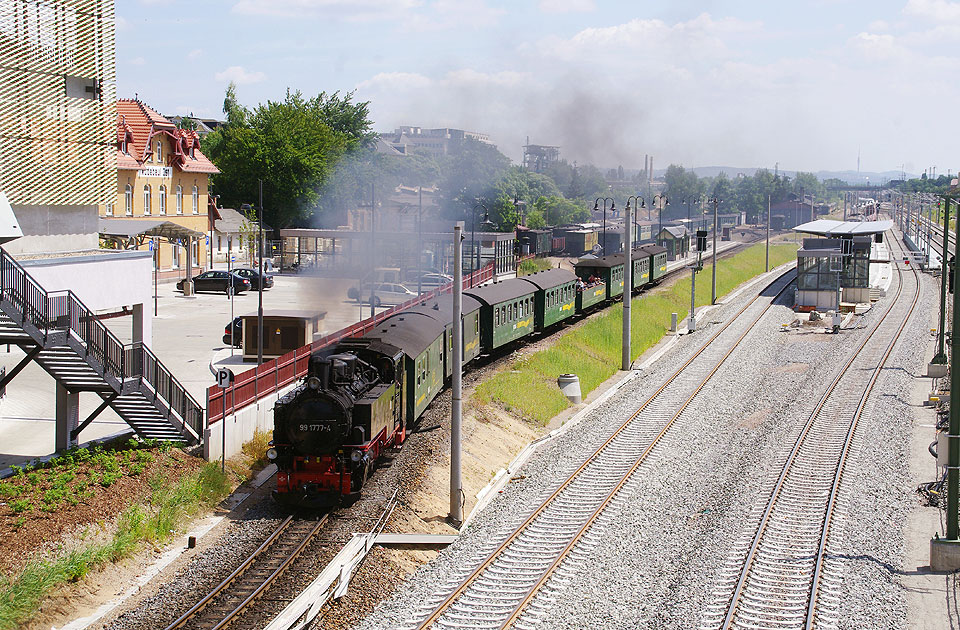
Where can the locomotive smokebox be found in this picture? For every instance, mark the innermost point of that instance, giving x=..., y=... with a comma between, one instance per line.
x=570, y=386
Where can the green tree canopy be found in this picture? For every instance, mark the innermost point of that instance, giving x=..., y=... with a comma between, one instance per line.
x=291, y=145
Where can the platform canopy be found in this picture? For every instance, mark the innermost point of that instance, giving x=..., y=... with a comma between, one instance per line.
x=828, y=227
x=130, y=228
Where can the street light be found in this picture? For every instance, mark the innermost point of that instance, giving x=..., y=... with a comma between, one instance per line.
x=473, y=236
x=638, y=203
x=659, y=201
x=519, y=207
x=596, y=207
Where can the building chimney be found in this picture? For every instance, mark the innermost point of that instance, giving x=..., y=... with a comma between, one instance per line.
x=650, y=172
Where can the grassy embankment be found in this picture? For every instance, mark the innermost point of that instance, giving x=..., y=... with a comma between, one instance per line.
x=71, y=479
x=592, y=351
x=532, y=265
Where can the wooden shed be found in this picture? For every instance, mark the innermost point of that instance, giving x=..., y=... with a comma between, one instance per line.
x=283, y=332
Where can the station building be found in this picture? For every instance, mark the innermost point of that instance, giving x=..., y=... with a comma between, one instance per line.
x=834, y=269
x=161, y=178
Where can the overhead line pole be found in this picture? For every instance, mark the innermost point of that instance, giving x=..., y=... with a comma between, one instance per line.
x=456, y=411
x=941, y=356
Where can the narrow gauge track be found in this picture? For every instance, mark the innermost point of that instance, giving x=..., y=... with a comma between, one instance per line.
x=224, y=605
x=776, y=577
x=507, y=587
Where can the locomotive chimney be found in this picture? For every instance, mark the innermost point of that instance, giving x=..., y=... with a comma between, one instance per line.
x=323, y=373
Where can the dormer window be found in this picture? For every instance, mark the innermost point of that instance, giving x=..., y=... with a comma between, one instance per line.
x=123, y=145
x=159, y=152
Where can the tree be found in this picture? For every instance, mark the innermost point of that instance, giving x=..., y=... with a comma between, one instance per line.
x=292, y=146
x=558, y=211
x=535, y=220
x=469, y=173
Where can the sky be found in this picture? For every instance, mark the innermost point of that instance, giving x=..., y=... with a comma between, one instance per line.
x=748, y=83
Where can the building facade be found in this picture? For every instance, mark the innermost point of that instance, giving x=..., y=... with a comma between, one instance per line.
x=434, y=142
x=57, y=120
x=161, y=175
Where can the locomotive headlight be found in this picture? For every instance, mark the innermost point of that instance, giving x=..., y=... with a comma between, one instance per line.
x=356, y=455
x=313, y=382
x=271, y=453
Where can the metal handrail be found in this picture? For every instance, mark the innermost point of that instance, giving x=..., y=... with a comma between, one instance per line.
x=63, y=310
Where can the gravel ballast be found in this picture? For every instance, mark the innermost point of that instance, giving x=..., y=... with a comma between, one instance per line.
x=660, y=553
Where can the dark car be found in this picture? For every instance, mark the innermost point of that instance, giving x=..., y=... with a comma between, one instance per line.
x=237, y=333
x=254, y=277
x=217, y=281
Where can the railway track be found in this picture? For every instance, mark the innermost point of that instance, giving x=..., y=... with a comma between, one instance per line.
x=511, y=582
x=225, y=604
x=777, y=575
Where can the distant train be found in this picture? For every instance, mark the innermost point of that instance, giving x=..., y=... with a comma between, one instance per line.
x=360, y=397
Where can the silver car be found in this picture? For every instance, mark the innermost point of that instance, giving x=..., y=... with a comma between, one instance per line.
x=385, y=293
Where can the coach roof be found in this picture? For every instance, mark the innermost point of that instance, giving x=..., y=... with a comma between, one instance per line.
x=550, y=278
x=501, y=291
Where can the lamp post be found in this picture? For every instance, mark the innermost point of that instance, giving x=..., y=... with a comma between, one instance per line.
x=625, y=356
x=713, y=285
x=474, y=252
x=259, y=279
x=420, y=243
x=519, y=207
x=596, y=207
x=660, y=201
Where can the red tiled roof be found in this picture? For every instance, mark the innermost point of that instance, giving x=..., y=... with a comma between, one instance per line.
x=142, y=124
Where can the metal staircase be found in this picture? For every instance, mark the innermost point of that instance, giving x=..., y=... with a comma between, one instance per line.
x=70, y=343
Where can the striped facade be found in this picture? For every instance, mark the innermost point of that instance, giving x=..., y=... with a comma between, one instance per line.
x=57, y=102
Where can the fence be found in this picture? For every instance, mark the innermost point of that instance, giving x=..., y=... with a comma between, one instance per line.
x=63, y=312
x=261, y=381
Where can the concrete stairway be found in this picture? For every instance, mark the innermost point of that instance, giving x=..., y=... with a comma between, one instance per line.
x=72, y=345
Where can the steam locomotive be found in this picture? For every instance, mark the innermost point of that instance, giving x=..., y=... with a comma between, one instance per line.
x=359, y=398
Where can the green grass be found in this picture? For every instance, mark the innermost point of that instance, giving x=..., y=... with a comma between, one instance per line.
x=168, y=508
x=532, y=265
x=592, y=351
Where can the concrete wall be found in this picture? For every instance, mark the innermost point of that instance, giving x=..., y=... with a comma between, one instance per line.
x=104, y=281
x=240, y=426
x=52, y=229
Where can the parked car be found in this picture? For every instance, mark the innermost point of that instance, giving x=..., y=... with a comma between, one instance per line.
x=382, y=293
x=428, y=280
x=253, y=275
x=217, y=281
x=237, y=333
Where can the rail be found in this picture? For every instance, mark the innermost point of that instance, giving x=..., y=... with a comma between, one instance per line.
x=542, y=554
x=63, y=312
x=261, y=381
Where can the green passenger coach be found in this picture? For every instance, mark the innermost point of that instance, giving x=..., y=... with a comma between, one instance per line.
x=606, y=268
x=441, y=310
x=506, y=312
x=556, y=296
x=658, y=264
x=422, y=341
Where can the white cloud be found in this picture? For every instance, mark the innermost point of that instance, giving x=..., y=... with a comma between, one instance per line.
x=196, y=53
x=138, y=61
x=121, y=23
x=342, y=9
x=239, y=75
x=567, y=6
x=878, y=47
x=442, y=15
x=936, y=10
x=388, y=81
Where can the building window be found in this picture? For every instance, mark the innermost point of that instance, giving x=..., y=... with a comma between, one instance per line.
x=109, y=209
x=128, y=200
x=123, y=145
x=219, y=244
x=159, y=152
x=196, y=200
x=146, y=199
x=163, y=199
x=179, y=199
x=175, y=259
x=196, y=253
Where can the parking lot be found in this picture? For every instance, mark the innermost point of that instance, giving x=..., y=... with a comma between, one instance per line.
x=187, y=337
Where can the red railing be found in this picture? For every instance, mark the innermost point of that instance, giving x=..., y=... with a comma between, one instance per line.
x=261, y=381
